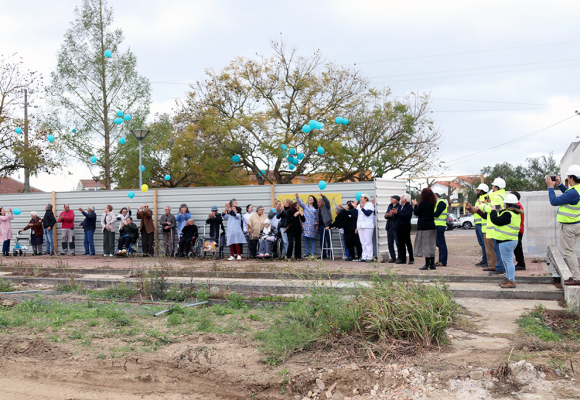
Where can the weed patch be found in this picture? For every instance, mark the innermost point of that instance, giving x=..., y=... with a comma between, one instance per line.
x=551, y=325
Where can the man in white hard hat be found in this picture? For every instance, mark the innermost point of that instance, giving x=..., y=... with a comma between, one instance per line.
x=507, y=222
x=494, y=201
x=569, y=217
x=440, y=215
x=480, y=223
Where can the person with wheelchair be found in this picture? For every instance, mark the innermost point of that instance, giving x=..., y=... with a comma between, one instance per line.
x=267, y=237
x=129, y=234
x=188, y=235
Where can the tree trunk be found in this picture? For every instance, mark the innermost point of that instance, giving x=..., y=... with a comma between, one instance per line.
x=106, y=162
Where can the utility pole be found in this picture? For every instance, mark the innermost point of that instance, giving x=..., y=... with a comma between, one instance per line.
x=26, y=170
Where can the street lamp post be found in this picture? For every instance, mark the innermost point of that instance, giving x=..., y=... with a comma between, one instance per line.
x=96, y=179
x=140, y=134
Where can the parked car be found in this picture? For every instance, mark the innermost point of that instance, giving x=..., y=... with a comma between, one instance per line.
x=467, y=221
x=452, y=222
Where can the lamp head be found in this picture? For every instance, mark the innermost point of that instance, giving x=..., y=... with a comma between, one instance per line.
x=140, y=134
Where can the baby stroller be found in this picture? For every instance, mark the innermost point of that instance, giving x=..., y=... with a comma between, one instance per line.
x=18, y=248
x=206, y=246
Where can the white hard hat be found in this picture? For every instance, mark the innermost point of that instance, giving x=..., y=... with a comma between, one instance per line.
x=573, y=170
x=511, y=199
x=438, y=191
x=500, y=183
x=483, y=187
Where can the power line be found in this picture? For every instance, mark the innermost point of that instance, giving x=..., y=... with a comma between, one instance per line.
x=498, y=102
x=464, y=52
x=491, y=149
x=474, y=69
x=502, y=109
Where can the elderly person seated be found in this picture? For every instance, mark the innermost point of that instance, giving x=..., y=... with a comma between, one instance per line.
x=188, y=233
x=255, y=225
x=129, y=233
x=37, y=233
x=267, y=237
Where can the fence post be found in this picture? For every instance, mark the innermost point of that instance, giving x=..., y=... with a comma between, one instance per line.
x=54, y=233
x=155, y=218
x=272, y=199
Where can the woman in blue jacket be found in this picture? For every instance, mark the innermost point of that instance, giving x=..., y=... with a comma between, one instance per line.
x=181, y=218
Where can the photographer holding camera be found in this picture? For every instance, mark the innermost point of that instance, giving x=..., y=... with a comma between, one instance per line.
x=568, y=216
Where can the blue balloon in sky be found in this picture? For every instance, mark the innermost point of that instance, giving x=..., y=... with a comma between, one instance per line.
x=283, y=146
x=313, y=124
x=131, y=194
x=167, y=177
x=17, y=211
x=119, y=113
x=292, y=151
x=322, y=185
x=306, y=129
x=74, y=130
x=142, y=168
x=358, y=195
x=300, y=156
x=122, y=140
x=50, y=138
x=108, y=53
x=18, y=130
x=345, y=121
x=236, y=158
x=127, y=117
x=291, y=166
x=295, y=161
x=320, y=150
x=338, y=120
x=94, y=159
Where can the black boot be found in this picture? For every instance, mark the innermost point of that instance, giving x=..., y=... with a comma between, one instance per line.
x=427, y=265
x=432, y=263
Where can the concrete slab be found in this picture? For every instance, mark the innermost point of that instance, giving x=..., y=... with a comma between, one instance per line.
x=571, y=293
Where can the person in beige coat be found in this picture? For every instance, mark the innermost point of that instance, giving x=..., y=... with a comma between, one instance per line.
x=255, y=225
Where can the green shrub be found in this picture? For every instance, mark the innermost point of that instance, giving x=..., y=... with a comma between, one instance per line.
x=6, y=286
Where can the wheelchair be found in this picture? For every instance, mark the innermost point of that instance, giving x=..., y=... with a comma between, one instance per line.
x=277, y=248
x=135, y=249
x=192, y=248
x=20, y=250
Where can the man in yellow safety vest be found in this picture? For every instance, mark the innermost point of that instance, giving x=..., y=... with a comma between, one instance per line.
x=480, y=223
x=440, y=215
x=569, y=218
x=493, y=201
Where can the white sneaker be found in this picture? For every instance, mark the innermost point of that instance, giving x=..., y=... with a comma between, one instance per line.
x=232, y=258
x=239, y=258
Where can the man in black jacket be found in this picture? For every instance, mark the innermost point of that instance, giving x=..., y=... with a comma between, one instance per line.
x=89, y=225
x=391, y=227
x=404, y=214
x=48, y=223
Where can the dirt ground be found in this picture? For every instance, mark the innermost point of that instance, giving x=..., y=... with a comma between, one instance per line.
x=211, y=366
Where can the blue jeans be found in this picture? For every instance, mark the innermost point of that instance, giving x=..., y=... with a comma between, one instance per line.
x=89, y=243
x=441, y=244
x=49, y=241
x=284, y=239
x=346, y=253
x=309, y=246
x=324, y=235
x=507, y=252
x=481, y=241
x=500, y=267
x=392, y=240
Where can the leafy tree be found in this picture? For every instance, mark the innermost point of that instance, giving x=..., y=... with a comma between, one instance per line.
x=38, y=155
x=88, y=88
x=183, y=155
x=524, y=178
x=252, y=107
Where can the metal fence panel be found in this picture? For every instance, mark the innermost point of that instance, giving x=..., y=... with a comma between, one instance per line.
x=385, y=188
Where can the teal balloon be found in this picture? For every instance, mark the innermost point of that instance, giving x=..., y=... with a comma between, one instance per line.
x=127, y=117
x=118, y=121
x=273, y=210
x=119, y=113
x=122, y=140
x=320, y=125
x=313, y=124
x=50, y=138
x=322, y=185
x=292, y=151
x=306, y=129
x=320, y=150
x=358, y=195
x=94, y=159
x=338, y=120
x=167, y=177
x=236, y=158
x=142, y=168
x=283, y=146
x=74, y=130
x=263, y=171
x=18, y=130
x=108, y=53
x=291, y=166
x=295, y=161
x=17, y=211
x=345, y=121
x=300, y=156
x=131, y=194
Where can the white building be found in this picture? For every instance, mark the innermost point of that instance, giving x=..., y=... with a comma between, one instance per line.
x=89, y=184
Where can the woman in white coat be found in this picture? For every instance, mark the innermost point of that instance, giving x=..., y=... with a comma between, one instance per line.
x=365, y=226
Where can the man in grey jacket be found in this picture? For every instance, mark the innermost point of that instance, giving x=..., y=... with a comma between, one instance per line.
x=323, y=221
x=168, y=225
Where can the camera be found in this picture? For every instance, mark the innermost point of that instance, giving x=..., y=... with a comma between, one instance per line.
x=553, y=178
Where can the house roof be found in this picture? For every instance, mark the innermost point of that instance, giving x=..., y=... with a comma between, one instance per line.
x=91, y=183
x=9, y=185
x=452, y=184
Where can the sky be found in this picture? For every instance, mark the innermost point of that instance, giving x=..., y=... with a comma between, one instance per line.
x=496, y=71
